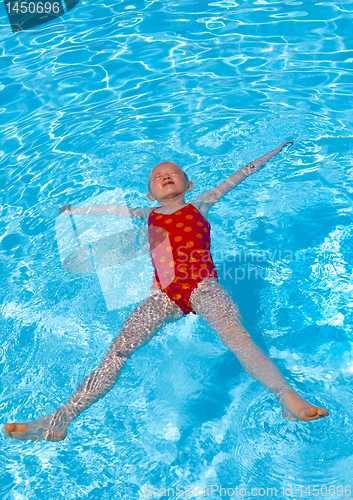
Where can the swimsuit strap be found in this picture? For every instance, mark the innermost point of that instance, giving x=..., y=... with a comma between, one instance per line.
x=153, y=211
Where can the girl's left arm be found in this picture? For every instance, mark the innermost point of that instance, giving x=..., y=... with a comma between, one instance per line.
x=210, y=197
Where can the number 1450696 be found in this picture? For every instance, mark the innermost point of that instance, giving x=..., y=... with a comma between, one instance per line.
x=33, y=7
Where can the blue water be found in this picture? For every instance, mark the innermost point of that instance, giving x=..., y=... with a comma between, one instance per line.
x=91, y=102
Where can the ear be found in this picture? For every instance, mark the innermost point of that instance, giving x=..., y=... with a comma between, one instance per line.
x=150, y=197
x=190, y=186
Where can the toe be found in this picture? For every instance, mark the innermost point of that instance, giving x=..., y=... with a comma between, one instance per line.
x=10, y=427
x=314, y=412
x=18, y=428
x=21, y=427
x=311, y=412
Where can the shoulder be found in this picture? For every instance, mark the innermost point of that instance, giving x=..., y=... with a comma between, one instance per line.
x=201, y=204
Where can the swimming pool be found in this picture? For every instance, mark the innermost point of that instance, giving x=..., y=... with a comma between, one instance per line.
x=89, y=103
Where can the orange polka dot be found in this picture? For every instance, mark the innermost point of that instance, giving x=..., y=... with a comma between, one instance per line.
x=162, y=259
x=178, y=212
x=200, y=252
x=190, y=244
x=159, y=217
x=185, y=286
x=189, y=216
x=159, y=229
x=187, y=229
x=195, y=275
x=207, y=244
x=203, y=265
x=199, y=223
x=195, y=210
x=151, y=225
x=178, y=238
x=183, y=268
x=158, y=243
x=199, y=235
x=169, y=249
x=168, y=221
x=176, y=296
x=180, y=224
x=192, y=259
x=205, y=229
x=166, y=233
x=171, y=264
x=153, y=255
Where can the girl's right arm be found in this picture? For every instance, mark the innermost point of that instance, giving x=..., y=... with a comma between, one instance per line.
x=121, y=211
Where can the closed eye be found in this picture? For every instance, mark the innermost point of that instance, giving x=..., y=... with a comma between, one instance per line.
x=169, y=173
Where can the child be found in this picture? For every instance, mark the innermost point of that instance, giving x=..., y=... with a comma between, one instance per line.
x=185, y=281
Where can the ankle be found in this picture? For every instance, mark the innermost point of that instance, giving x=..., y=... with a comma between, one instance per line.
x=62, y=416
x=281, y=393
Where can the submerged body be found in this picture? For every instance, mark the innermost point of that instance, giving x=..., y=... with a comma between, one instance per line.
x=185, y=281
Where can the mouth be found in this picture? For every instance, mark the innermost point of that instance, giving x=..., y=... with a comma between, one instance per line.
x=166, y=183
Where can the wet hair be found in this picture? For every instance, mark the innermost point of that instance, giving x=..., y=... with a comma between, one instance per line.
x=149, y=182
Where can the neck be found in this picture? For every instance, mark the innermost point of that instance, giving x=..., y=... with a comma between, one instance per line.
x=173, y=204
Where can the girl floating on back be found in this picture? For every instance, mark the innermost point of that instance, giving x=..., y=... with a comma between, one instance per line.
x=185, y=281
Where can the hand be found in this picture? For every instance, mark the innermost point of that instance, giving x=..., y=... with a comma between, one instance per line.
x=65, y=208
x=287, y=142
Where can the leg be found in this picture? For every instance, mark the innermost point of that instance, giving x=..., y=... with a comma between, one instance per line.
x=137, y=330
x=216, y=307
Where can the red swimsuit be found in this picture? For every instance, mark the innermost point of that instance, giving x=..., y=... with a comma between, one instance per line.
x=181, y=256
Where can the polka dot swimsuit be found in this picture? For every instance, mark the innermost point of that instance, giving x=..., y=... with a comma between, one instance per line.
x=180, y=251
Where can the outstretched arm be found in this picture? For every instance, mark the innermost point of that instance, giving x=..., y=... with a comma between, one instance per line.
x=121, y=211
x=210, y=197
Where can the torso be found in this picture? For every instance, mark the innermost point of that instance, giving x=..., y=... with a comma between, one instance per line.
x=180, y=246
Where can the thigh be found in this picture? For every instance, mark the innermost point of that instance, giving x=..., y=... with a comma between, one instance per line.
x=144, y=321
x=221, y=313
x=217, y=308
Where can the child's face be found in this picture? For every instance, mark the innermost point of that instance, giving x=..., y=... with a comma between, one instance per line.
x=167, y=181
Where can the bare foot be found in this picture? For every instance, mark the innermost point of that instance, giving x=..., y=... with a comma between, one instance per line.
x=296, y=408
x=51, y=428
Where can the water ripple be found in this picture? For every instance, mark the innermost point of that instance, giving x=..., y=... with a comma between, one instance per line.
x=91, y=102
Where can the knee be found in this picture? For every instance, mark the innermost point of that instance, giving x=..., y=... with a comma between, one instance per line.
x=122, y=348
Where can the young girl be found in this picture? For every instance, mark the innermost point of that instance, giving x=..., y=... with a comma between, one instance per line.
x=185, y=281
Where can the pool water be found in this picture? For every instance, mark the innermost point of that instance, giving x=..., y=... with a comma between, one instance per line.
x=88, y=104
